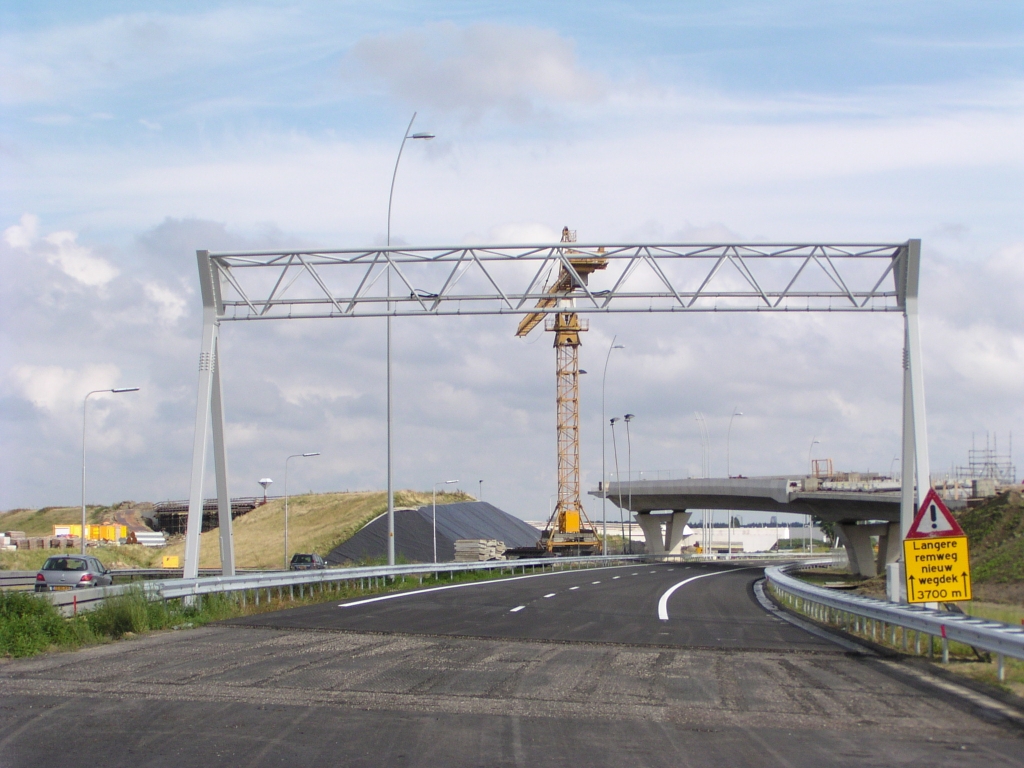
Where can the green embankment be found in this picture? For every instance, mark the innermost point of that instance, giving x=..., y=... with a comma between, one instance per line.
x=317, y=522
x=996, y=534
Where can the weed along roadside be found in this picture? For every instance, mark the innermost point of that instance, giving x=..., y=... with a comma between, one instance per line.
x=30, y=624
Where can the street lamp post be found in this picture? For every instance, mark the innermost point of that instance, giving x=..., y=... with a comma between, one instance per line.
x=728, y=437
x=618, y=477
x=434, y=513
x=85, y=402
x=604, y=474
x=293, y=456
x=629, y=474
x=807, y=519
x=391, y=487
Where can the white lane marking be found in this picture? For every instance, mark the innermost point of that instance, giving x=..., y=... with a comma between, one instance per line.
x=410, y=593
x=595, y=582
x=652, y=571
x=663, y=602
x=616, y=577
x=517, y=608
x=634, y=574
x=572, y=588
x=550, y=594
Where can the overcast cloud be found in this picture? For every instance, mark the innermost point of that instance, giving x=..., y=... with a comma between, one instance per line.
x=129, y=141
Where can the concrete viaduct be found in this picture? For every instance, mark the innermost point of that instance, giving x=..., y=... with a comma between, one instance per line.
x=663, y=507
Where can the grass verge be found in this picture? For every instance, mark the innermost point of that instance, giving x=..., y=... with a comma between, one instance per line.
x=963, y=659
x=30, y=624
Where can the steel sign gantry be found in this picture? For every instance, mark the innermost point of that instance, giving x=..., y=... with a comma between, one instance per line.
x=510, y=280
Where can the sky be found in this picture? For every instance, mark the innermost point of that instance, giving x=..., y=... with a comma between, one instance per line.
x=132, y=134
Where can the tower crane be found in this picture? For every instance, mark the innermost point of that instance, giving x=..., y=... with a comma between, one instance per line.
x=568, y=530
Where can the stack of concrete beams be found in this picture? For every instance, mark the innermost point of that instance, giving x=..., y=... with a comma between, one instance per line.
x=475, y=550
x=18, y=540
x=147, y=538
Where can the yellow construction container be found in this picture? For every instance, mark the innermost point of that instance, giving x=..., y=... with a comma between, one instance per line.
x=108, y=532
x=170, y=561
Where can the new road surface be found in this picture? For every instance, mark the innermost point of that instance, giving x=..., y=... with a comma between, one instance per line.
x=660, y=665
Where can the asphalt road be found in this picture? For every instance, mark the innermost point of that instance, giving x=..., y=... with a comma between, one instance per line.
x=583, y=673
x=716, y=609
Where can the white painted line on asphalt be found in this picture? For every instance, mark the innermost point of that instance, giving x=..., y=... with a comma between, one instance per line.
x=517, y=608
x=413, y=592
x=616, y=577
x=634, y=574
x=595, y=582
x=550, y=594
x=572, y=588
x=663, y=602
x=652, y=571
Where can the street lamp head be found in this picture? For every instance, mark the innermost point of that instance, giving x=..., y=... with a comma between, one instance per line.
x=427, y=136
x=628, y=417
x=613, y=420
x=618, y=346
x=449, y=482
x=119, y=390
x=582, y=371
x=317, y=453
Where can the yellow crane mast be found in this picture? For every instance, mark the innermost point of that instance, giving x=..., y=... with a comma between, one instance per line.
x=568, y=530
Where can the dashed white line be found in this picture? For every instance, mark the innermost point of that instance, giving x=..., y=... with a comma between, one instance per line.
x=550, y=594
x=517, y=608
x=572, y=588
x=616, y=577
x=595, y=582
x=634, y=574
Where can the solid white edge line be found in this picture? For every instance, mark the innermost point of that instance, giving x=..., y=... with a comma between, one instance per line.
x=412, y=592
x=663, y=602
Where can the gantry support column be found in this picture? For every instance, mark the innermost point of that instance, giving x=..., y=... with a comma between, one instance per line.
x=667, y=540
x=916, y=478
x=209, y=409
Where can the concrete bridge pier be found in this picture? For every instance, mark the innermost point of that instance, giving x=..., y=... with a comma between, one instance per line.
x=857, y=541
x=667, y=541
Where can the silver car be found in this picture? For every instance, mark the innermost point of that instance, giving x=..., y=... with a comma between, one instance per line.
x=64, y=572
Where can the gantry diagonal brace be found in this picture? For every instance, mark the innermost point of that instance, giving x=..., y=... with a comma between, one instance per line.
x=500, y=280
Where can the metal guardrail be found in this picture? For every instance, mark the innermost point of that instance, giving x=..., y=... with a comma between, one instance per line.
x=852, y=612
x=27, y=579
x=72, y=601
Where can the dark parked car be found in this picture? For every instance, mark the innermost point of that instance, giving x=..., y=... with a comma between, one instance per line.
x=307, y=562
x=63, y=572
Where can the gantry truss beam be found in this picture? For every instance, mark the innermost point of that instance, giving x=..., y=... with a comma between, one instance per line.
x=497, y=280
x=503, y=280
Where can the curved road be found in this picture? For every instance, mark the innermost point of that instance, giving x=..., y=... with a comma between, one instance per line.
x=607, y=605
x=571, y=668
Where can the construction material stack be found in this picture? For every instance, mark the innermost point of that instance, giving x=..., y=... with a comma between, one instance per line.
x=476, y=550
x=568, y=531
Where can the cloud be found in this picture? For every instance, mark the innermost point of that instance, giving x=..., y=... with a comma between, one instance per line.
x=43, y=65
x=170, y=306
x=24, y=233
x=478, y=68
x=59, y=391
x=77, y=261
